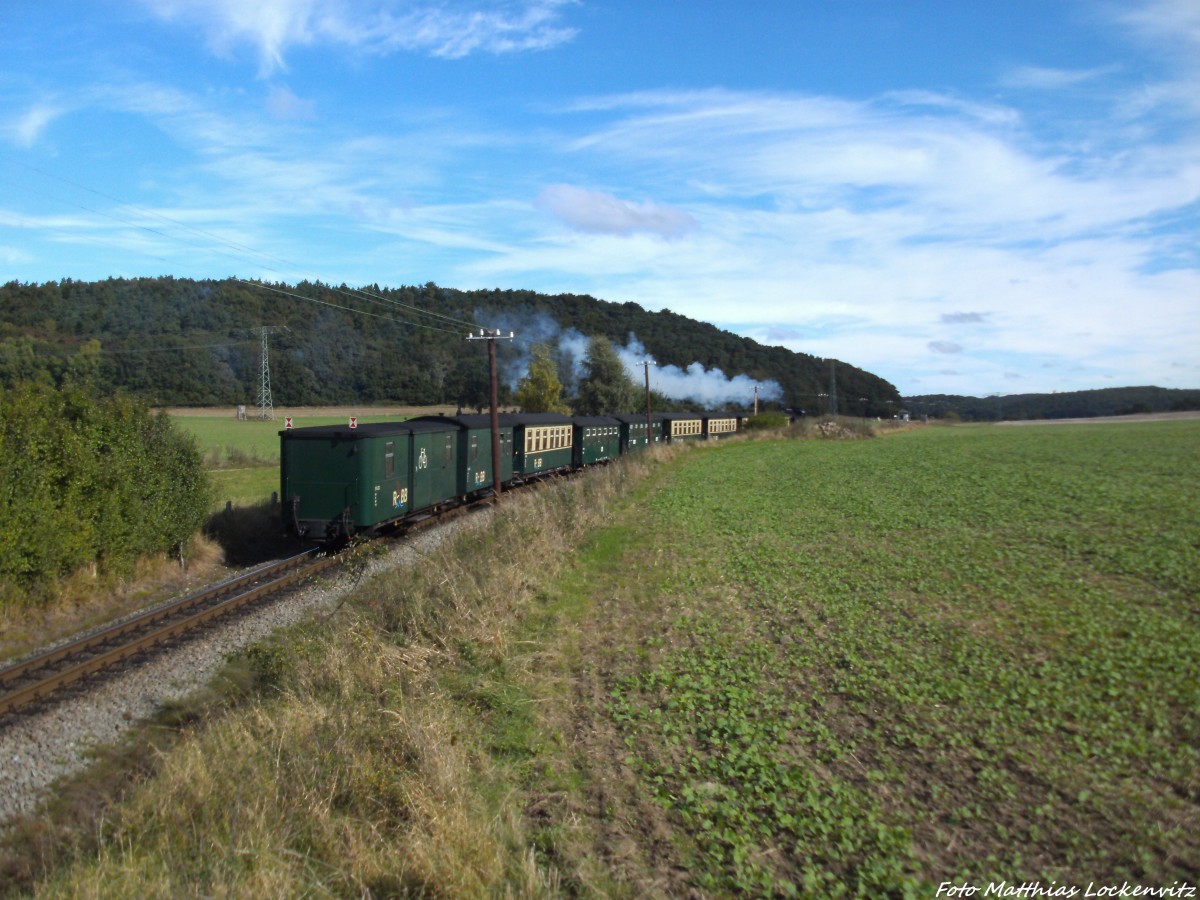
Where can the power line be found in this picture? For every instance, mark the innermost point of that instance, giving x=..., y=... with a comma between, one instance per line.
x=361, y=312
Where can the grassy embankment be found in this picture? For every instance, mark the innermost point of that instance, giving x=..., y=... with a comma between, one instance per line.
x=824, y=667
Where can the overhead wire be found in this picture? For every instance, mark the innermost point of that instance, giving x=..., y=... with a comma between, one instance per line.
x=337, y=306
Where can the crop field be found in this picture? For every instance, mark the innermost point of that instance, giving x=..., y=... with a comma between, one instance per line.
x=767, y=668
x=956, y=654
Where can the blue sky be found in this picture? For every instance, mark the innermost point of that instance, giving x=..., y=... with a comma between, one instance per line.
x=961, y=197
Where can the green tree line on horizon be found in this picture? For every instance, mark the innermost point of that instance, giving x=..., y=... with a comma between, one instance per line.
x=1067, y=405
x=184, y=342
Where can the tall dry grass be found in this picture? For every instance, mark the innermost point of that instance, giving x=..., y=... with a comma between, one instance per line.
x=90, y=598
x=378, y=758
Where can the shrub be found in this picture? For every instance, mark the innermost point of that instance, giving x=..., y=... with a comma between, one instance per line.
x=91, y=482
x=766, y=420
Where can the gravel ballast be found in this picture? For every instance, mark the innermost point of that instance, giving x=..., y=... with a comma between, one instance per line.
x=40, y=746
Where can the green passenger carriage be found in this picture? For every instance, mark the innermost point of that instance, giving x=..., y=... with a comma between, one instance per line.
x=633, y=431
x=597, y=439
x=720, y=425
x=682, y=426
x=542, y=442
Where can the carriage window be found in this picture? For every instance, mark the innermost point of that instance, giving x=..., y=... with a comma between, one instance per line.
x=389, y=459
x=474, y=447
x=449, y=448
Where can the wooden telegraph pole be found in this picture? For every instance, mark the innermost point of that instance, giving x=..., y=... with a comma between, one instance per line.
x=649, y=418
x=491, y=337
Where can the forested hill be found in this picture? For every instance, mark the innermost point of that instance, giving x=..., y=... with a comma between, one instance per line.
x=197, y=343
x=1069, y=405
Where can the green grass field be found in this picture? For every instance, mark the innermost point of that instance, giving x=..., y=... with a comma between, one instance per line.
x=953, y=654
x=794, y=667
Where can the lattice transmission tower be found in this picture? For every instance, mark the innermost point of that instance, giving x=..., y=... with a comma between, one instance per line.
x=266, y=407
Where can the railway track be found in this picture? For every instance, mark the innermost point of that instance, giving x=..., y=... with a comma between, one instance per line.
x=32, y=680
x=37, y=678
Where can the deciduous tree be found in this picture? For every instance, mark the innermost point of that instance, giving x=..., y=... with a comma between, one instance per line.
x=605, y=387
x=540, y=390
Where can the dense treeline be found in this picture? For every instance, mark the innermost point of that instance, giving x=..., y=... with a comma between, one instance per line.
x=182, y=342
x=1069, y=405
x=89, y=482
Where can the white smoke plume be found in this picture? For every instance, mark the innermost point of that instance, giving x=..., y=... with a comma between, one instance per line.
x=706, y=387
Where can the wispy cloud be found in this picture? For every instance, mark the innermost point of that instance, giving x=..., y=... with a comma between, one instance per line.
x=374, y=26
x=1046, y=79
x=283, y=104
x=28, y=127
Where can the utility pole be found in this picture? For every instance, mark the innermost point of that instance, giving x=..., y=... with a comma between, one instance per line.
x=756, y=399
x=491, y=337
x=832, y=388
x=646, y=364
x=266, y=407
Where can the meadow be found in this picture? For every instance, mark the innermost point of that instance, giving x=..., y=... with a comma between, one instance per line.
x=771, y=667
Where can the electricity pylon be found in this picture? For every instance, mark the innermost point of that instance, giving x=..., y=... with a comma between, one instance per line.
x=266, y=407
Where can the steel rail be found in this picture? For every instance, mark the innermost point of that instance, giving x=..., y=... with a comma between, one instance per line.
x=132, y=637
x=274, y=577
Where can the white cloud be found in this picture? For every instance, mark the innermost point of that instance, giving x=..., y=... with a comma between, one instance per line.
x=283, y=104
x=455, y=33
x=600, y=213
x=1171, y=30
x=945, y=347
x=378, y=26
x=29, y=127
x=1170, y=21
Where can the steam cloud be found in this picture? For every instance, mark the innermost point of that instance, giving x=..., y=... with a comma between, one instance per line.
x=708, y=387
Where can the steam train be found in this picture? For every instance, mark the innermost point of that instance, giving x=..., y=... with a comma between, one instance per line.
x=338, y=481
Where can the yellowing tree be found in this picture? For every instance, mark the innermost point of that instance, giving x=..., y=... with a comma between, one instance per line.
x=540, y=390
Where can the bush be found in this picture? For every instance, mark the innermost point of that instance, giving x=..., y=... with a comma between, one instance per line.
x=768, y=419
x=765, y=420
x=91, y=482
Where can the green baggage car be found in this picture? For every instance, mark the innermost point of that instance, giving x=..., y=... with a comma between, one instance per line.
x=475, y=451
x=337, y=481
